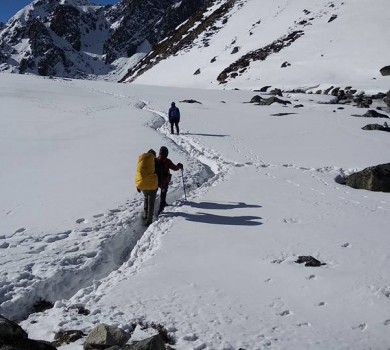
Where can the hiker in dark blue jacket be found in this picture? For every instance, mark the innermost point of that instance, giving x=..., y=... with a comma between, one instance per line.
x=174, y=117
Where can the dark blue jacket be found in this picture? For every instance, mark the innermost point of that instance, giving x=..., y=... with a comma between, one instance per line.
x=174, y=114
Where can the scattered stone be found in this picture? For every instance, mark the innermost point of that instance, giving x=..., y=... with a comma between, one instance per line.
x=267, y=101
x=281, y=114
x=385, y=70
x=256, y=99
x=103, y=336
x=332, y=18
x=213, y=59
x=309, y=261
x=326, y=91
x=67, y=337
x=276, y=92
x=376, y=178
x=235, y=50
x=376, y=127
x=190, y=101
x=197, y=71
x=271, y=100
x=265, y=88
x=299, y=106
x=335, y=91
x=285, y=64
x=42, y=305
x=372, y=113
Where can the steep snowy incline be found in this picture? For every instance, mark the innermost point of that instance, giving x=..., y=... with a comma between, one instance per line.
x=285, y=44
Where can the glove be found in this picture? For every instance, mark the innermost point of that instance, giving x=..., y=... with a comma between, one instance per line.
x=180, y=165
x=138, y=190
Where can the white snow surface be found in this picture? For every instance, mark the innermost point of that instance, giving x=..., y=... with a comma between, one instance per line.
x=217, y=269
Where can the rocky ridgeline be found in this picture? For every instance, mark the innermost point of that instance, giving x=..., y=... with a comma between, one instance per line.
x=101, y=337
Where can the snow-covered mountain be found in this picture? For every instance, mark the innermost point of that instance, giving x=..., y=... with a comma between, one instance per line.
x=302, y=44
x=74, y=38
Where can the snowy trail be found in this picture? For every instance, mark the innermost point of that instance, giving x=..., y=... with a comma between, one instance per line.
x=116, y=233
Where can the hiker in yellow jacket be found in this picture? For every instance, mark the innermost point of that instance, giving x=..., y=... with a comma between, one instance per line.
x=146, y=180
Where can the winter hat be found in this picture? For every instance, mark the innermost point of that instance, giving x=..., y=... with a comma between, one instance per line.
x=173, y=104
x=163, y=151
x=152, y=151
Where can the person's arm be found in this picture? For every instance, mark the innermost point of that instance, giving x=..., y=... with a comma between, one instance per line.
x=174, y=167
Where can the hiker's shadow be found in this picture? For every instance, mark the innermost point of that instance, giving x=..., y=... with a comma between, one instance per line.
x=208, y=218
x=221, y=206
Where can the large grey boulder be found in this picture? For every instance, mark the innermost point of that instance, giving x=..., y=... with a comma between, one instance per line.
x=385, y=70
x=376, y=127
x=104, y=336
x=10, y=331
x=376, y=178
x=372, y=113
x=13, y=337
x=152, y=343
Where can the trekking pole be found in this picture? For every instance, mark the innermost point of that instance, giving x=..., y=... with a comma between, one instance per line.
x=184, y=187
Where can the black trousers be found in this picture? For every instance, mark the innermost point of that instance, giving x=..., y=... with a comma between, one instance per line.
x=149, y=198
x=177, y=127
x=163, y=198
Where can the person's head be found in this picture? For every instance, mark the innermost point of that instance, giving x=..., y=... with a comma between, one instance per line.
x=152, y=151
x=163, y=152
x=173, y=104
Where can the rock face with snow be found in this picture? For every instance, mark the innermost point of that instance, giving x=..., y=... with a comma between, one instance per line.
x=74, y=38
x=376, y=178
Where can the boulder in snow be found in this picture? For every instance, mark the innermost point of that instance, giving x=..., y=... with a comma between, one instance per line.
x=376, y=178
x=385, y=70
x=104, y=336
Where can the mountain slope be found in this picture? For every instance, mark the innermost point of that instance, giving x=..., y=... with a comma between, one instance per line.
x=284, y=43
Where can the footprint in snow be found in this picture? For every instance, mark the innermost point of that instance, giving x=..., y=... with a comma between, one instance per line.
x=321, y=303
x=311, y=277
x=285, y=313
x=304, y=324
x=4, y=245
x=98, y=216
x=80, y=221
x=346, y=245
x=387, y=322
x=362, y=327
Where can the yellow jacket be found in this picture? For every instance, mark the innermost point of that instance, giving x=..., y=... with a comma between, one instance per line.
x=146, y=177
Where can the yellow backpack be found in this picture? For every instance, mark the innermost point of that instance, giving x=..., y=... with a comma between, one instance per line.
x=146, y=177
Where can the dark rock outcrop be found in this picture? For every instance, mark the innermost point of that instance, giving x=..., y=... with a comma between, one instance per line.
x=376, y=127
x=65, y=23
x=258, y=55
x=66, y=337
x=309, y=261
x=376, y=178
x=387, y=99
x=13, y=337
x=385, y=70
x=372, y=113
